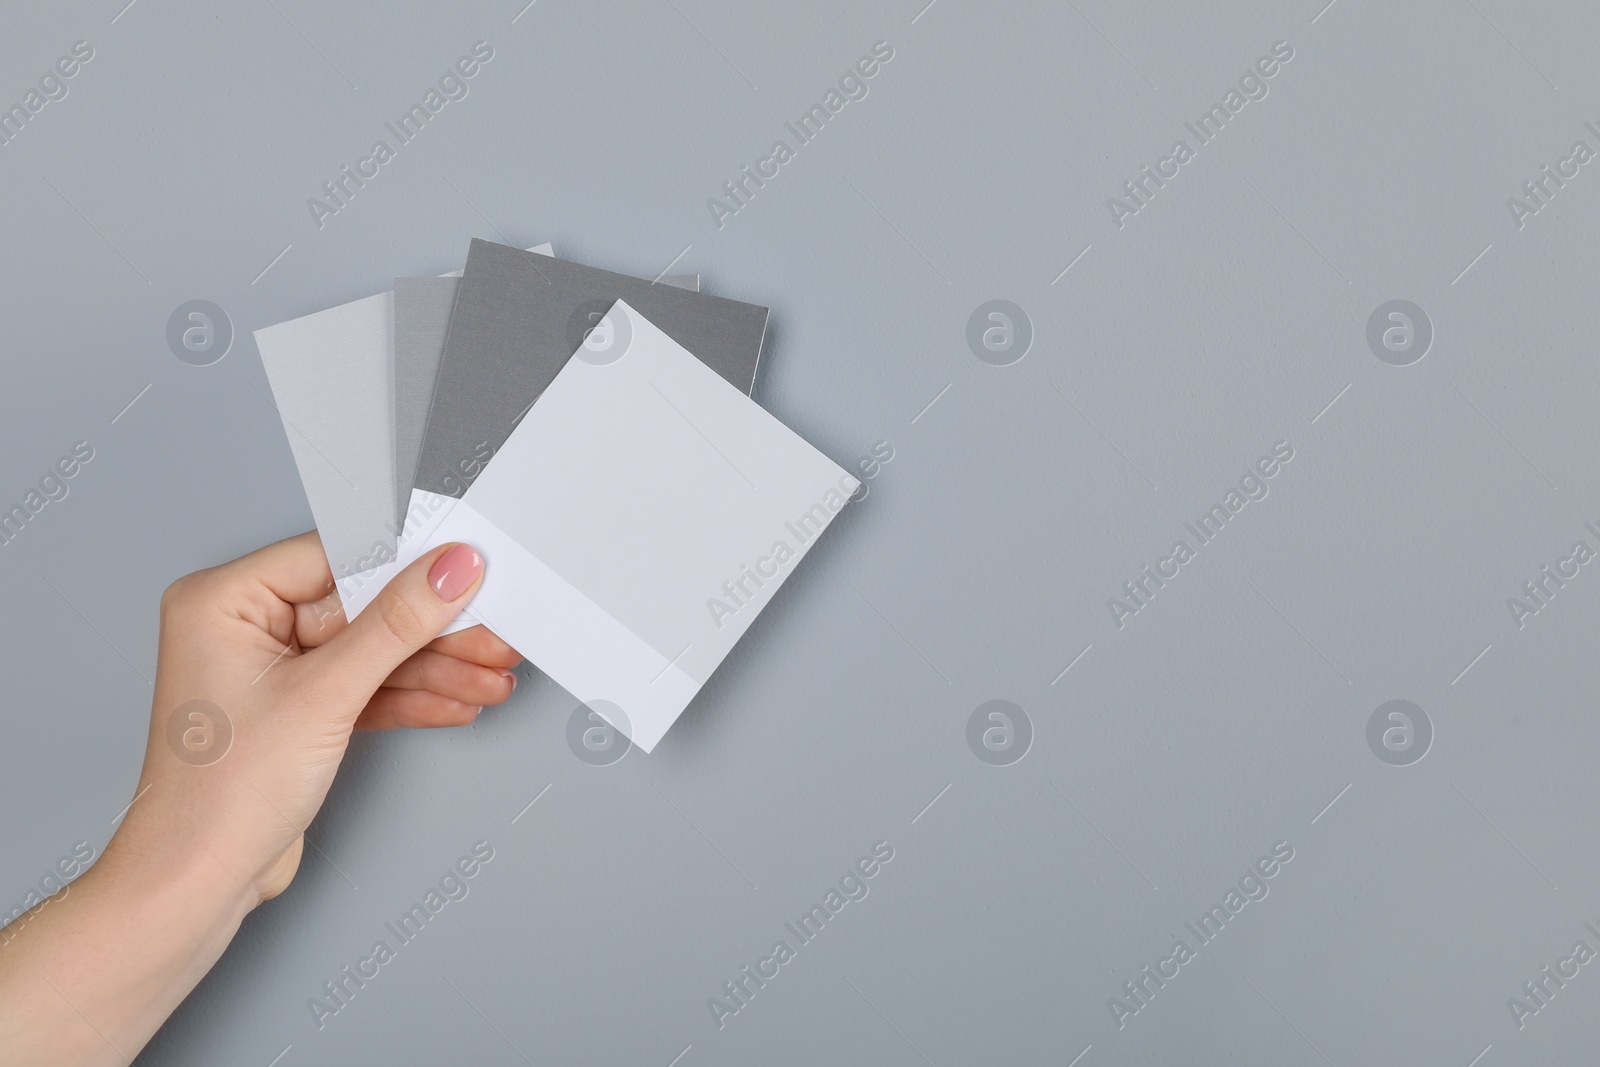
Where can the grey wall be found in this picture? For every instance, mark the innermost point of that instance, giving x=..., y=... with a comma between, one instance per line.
x=1166, y=755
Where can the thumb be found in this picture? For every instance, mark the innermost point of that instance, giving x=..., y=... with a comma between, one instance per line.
x=416, y=605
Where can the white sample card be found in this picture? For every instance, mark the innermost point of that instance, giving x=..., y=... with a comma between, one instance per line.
x=635, y=523
x=333, y=380
x=422, y=311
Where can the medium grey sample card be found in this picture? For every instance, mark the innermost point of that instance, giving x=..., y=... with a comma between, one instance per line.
x=517, y=320
x=421, y=320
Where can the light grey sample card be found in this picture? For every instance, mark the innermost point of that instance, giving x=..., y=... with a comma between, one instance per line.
x=332, y=377
x=518, y=318
x=633, y=615
x=421, y=320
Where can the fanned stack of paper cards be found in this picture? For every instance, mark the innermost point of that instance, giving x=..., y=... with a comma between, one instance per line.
x=590, y=433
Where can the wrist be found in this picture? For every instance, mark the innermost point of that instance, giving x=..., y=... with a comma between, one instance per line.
x=194, y=879
x=66, y=997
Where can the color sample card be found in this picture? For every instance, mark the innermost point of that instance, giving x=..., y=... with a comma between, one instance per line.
x=333, y=379
x=421, y=320
x=635, y=523
x=524, y=318
x=332, y=375
x=422, y=309
x=518, y=318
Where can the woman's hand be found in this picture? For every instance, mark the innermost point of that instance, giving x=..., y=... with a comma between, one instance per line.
x=259, y=683
x=255, y=644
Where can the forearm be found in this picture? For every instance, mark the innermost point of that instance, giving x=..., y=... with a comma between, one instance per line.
x=90, y=975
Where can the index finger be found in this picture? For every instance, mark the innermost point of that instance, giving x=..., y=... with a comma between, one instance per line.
x=295, y=570
x=476, y=644
x=316, y=622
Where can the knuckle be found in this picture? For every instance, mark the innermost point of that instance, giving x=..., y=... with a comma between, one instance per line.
x=402, y=621
x=455, y=679
x=475, y=649
x=171, y=596
x=182, y=593
x=428, y=674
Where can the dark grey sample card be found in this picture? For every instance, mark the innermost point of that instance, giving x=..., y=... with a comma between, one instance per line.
x=519, y=317
x=421, y=320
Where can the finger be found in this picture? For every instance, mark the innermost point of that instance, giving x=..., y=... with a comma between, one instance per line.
x=294, y=570
x=316, y=623
x=409, y=612
x=477, y=644
x=447, y=676
x=392, y=709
